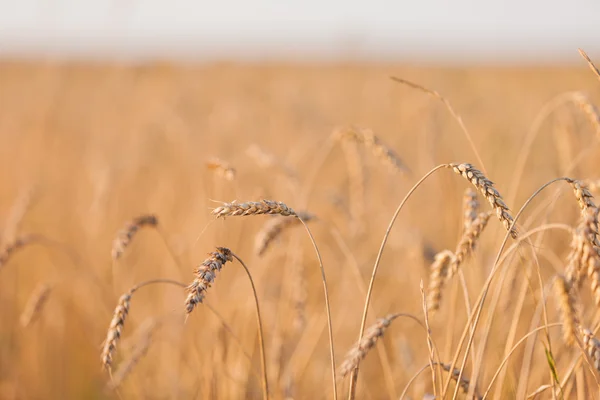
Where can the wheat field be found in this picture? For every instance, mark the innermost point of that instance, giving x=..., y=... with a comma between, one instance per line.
x=121, y=175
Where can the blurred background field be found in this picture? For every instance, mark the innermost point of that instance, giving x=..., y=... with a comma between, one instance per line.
x=86, y=147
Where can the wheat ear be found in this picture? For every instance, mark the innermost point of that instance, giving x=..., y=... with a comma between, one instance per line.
x=362, y=348
x=35, y=304
x=253, y=208
x=486, y=187
x=125, y=236
x=273, y=228
x=565, y=299
x=205, y=276
x=582, y=194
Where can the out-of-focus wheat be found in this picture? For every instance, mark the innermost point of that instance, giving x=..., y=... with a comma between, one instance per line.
x=566, y=305
x=367, y=138
x=362, y=348
x=35, y=304
x=470, y=208
x=126, y=235
x=273, y=228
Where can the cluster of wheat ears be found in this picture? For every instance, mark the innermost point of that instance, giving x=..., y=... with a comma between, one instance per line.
x=582, y=271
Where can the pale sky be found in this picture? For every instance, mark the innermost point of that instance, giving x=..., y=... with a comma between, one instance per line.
x=529, y=30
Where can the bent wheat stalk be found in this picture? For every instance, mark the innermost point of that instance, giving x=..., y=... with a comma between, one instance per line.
x=260, y=329
x=474, y=316
x=118, y=321
x=484, y=185
x=205, y=276
x=354, y=375
x=277, y=207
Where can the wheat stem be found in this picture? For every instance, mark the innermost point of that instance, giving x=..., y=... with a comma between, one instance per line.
x=265, y=384
x=354, y=375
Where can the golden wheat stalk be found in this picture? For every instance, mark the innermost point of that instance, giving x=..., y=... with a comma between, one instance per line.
x=125, y=236
x=486, y=187
x=205, y=276
x=273, y=228
x=35, y=304
x=253, y=208
x=370, y=141
x=221, y=168
x=565, y=299
x=468, y=241
x=362, y=348
x=10, y=248
x=437, y=278
x=470, y=208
